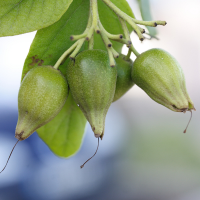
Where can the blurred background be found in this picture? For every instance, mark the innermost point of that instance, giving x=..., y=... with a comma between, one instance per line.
x=144, y=154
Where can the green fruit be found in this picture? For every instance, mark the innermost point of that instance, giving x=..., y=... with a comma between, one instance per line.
x=124, y=80
x=42, y=94
x=92, y=83
x=161, y=77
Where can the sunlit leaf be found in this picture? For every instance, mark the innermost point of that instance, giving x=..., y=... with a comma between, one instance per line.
x=22, y=16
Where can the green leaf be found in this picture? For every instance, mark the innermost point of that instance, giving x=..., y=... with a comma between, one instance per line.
x=64, y=133
x=146, y=15
x=48, y=45
x=51, y=42
x=22, y=16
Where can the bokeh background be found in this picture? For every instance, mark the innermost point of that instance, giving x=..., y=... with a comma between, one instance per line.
x=144, y=154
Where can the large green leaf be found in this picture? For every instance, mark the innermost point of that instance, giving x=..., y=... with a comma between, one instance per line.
x=146, y=14
x=64, y=133
x=48, y=45
x=22, y=16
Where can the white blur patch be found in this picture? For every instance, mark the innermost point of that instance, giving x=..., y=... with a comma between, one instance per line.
x=13, y=52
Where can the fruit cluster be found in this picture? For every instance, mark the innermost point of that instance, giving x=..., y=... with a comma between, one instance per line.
x=94, y=85
x=95, y=78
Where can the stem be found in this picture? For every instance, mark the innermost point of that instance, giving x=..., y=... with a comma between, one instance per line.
x=78, y=47
x=134, y=51
x=141, y=30
x=111, y=36
x=90, y=33
x=126, y=31
x=124, y=41
x=127, y=57
x=95, y=16
x=89, y=29
x=77, y=37
x=65, y=54
x=80, y=39
x=91, y=43
x=111, y=58
x=89, y=20
x=94, y=19
x=149, y=23
x=116, y=9
x=133, y=22
x=118, y=38
x=125, y=17
x=114, y=52
x=104, y=36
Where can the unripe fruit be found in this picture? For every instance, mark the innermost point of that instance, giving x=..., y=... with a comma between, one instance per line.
x=161, y=77
x=92, y=83
x=124, y=80
x=42, y=94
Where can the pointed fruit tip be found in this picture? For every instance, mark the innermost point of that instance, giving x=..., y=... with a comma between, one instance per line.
x=19, y=135
x=97, y=135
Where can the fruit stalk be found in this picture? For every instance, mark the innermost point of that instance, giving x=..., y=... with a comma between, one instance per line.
x=94, y=25
x=133, y=22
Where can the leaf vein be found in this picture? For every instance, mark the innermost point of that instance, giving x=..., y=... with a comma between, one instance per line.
x=28, y=16
x=11, y=9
